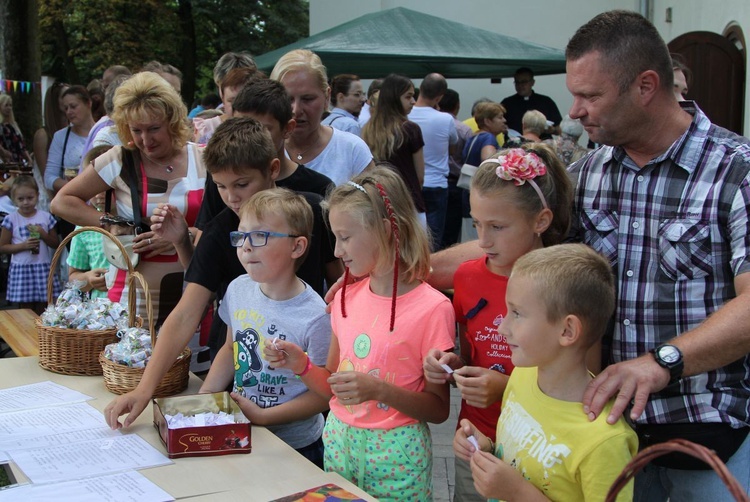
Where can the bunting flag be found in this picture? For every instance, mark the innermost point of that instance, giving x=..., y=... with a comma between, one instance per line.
x=23, y=86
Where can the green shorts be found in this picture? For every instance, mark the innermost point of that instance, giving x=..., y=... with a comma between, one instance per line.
x=393, y=464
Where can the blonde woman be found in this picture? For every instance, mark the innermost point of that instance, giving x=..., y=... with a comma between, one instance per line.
x=337, y=154
x=12, y=146
x=150, y=118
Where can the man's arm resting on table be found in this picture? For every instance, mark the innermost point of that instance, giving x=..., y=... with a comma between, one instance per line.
x=721, y=339
x=444, y=263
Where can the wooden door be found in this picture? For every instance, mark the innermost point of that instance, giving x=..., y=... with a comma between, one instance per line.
x=718, y=84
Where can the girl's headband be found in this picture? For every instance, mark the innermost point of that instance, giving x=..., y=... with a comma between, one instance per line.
x=520, y=166
x=357, y=186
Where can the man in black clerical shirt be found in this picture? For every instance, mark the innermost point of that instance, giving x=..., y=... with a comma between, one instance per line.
x=526, y=99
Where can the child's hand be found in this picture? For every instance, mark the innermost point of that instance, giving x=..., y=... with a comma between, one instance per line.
x=131, y=403
x=353, y=387
x=251, y=410
x=168, y=223
x=41, y=231
x=433, y=369
x=95, y=278
x=462, y=447
x=493, y=478
x=283, y=354
x=31, y=243
x=480, y=387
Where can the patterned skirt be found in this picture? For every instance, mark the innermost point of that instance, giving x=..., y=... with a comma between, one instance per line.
x=28, y=283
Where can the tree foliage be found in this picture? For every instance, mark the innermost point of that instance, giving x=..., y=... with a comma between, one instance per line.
x=81, y=38
x=19, y=59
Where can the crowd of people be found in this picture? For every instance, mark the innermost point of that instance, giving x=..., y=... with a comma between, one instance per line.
x=598, y=296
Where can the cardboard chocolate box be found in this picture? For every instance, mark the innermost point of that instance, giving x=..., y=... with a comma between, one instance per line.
x=206, y=440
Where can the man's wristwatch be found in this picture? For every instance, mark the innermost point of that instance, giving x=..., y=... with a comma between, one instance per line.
x=670, y=357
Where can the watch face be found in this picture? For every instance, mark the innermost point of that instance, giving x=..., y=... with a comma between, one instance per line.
x=669, y=354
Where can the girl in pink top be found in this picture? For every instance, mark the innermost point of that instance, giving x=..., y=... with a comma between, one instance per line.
x=376, y=434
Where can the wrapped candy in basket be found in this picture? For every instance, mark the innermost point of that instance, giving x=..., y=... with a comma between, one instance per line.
x=123, y=362
x=74, y=330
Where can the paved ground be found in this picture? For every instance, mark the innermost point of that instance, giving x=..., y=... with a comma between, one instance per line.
x=443, y=479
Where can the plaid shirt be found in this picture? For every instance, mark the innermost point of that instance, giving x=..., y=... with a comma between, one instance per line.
x=677, y=234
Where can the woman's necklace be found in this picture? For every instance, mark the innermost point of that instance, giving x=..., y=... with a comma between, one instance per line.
x=303, y=153
x=167, y=167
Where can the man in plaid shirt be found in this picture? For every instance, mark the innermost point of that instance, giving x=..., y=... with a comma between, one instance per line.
x=666, y=201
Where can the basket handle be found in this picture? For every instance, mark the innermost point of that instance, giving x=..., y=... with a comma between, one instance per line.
x=58, y=253
x=132, y=278
x=682, y=446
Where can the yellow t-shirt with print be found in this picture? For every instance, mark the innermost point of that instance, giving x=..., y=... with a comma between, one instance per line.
x=555, y=446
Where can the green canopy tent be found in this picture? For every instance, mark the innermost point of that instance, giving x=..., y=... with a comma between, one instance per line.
x=414, y=44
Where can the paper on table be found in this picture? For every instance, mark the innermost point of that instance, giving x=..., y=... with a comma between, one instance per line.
x=24, y=443
x=122, y=487
x=47, y=421
x=89, y=458
x=38, y=395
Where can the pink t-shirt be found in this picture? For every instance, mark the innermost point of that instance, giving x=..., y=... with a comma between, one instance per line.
x=424, y=320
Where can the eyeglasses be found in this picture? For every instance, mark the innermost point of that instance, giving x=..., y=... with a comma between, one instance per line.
x=258, y=238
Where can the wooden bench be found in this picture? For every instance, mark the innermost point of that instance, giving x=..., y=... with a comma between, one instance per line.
x=18, y=329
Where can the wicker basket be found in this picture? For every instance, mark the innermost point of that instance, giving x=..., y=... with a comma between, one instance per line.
x=682, y=446
x=73, y=351
x=119, y=378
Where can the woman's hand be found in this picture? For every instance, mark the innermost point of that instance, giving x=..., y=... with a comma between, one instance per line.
x=353, y=387
x=149, y=244
x=7, y=184
x=5, y=155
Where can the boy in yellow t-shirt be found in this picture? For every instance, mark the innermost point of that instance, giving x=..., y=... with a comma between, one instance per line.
x=560, y=300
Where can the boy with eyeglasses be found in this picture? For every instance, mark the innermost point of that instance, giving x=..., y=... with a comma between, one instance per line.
x=267, y=304
x=243, y=161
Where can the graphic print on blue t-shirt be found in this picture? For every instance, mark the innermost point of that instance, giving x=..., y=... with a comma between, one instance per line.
x=246, y=360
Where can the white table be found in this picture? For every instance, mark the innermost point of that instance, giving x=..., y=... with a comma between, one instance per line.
x=272, y=470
